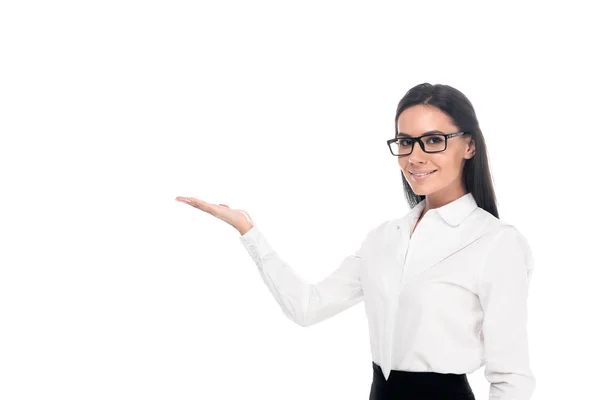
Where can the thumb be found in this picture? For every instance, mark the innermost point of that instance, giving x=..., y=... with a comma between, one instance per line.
x=247, y=216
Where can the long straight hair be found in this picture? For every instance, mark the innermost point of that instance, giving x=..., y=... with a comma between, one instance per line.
x=476, y=173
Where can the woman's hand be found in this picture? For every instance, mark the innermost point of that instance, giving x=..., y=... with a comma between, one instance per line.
x=239, y=219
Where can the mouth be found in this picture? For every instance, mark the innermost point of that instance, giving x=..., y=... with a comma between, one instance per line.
x=421, y=175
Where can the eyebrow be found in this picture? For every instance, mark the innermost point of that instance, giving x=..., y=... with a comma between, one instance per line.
x=426, y=133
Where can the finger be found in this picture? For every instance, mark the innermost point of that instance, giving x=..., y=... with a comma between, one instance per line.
x=191, y=201
x=184, y=199
x=203, y=205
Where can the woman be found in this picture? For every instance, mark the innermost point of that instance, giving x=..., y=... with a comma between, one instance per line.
x=445, y=287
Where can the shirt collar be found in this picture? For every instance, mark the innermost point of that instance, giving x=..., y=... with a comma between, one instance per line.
x=453, y=213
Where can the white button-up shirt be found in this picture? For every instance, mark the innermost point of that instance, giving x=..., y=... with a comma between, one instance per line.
x=450, y=298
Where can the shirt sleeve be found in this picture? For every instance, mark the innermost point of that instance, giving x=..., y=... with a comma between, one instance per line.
x=303, y=302
x=503, y=288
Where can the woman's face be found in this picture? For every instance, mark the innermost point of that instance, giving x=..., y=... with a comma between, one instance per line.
x=448, y=165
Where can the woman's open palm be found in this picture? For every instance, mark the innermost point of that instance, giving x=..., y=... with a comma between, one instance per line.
x=235, y=218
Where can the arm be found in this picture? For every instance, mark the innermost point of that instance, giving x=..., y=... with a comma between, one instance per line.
x=302, y=302
x=503, y=288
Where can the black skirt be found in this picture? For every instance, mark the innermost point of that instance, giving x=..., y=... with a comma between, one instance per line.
x=412, y=385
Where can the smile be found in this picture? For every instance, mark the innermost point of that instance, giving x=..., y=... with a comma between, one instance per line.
x=421, y=176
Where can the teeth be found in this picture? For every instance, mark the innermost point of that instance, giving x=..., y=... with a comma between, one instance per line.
x=426, y=173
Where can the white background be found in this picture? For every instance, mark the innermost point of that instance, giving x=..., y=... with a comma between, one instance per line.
x=110, y=289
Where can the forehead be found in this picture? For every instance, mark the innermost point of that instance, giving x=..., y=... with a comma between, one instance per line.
x=419, y=119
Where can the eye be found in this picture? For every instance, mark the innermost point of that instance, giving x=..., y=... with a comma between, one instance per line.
x=434, y=140
x=405, y=142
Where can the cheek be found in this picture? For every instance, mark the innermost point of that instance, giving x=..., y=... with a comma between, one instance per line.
x=448, y=163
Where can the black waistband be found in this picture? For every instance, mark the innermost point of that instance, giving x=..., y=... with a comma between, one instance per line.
x=426, y=380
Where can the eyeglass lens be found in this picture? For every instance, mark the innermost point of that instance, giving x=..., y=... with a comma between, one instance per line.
x=433, y=143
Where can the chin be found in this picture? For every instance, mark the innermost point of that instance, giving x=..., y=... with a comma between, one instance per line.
x=422, y=192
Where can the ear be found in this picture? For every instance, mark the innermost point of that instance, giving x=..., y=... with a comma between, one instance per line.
x=470, y=152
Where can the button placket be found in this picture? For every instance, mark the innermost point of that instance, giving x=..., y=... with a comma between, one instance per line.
x=398, y=278
x=394, y=296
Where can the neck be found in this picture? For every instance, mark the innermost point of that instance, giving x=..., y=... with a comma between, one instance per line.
x=443, y=197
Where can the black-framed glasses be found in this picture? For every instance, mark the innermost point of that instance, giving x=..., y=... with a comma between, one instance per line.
x=431, y=142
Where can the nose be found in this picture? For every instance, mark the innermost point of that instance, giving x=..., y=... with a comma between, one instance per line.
x=417, y=155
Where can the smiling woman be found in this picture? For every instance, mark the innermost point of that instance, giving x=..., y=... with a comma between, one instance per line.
x=442, y=299
x=447, y=182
